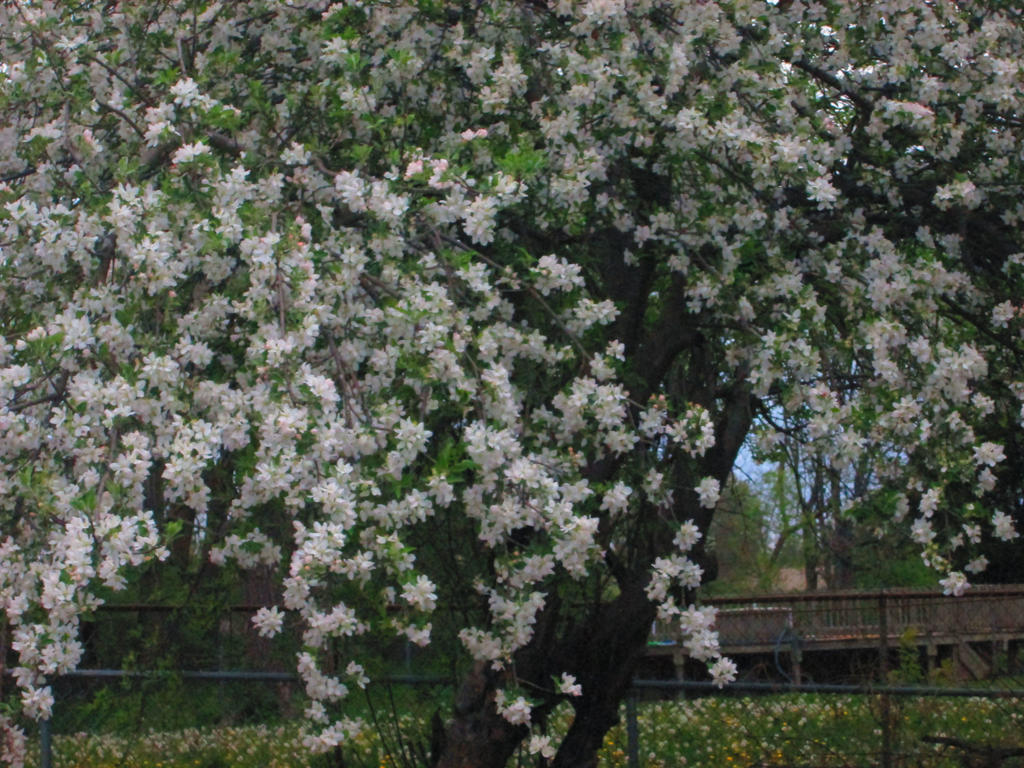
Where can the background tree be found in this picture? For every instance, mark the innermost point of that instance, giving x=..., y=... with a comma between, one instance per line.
x=752, y=543
x=467, y=309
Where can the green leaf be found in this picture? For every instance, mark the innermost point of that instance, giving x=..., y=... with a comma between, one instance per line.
x=173, y=529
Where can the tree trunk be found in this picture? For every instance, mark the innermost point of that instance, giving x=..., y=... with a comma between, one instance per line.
x=477, y=736
x=601, y=650
x=599, y=643
x=607, y=652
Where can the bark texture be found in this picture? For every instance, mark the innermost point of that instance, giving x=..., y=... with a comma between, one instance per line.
x=477, y=736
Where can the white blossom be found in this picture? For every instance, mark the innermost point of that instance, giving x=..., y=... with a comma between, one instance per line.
x=955, y=583
x=421, y=594
x=723, y=671
x=1004, y=527
x=708, y=491
x=822, y=191
x=567, y=685
x=494, y=287
x=268, y=621
x=541, y=745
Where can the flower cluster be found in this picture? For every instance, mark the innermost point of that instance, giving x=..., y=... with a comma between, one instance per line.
x=412, y=305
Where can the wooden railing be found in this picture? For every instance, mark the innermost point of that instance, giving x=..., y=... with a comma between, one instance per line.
x=751, y=620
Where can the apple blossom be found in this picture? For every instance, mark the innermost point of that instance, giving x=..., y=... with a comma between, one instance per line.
x=428, y=306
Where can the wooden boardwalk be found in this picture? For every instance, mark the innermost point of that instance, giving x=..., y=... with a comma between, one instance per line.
x=986, y=621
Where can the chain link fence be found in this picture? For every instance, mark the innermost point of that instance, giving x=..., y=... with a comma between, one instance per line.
x=900, y=677
x=897, y=679
x=756, y=725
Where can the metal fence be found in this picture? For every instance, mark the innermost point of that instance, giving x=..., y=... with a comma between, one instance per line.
x=893, y=679
x=77, y=705
x=756, y=725
x=229, y=700
x=664, y=722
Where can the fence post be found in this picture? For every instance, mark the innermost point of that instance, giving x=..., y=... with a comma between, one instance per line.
x=45, y=744
x=883, y=652
x=632, y=732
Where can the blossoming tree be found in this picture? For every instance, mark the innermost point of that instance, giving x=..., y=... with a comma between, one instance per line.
x=459, y=313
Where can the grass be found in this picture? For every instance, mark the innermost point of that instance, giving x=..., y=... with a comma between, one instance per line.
x=274, y=747
x=821, y=731
x=779, y=730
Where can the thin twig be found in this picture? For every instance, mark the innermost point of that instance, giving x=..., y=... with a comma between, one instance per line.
x=122, y=114
x=18, y=174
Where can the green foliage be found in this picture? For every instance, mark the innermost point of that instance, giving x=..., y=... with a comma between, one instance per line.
x=886, y=564
x=739, y=541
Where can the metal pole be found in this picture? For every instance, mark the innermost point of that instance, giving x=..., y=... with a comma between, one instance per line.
x=704, y=686
x=883, y=651
x=632, y=732
x=707, y=686
x=45, y=745
x=220, y=659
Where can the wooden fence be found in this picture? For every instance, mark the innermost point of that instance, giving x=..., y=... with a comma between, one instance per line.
x=986, y=617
